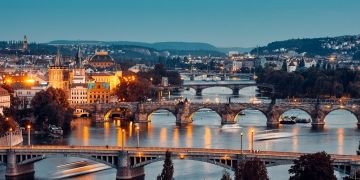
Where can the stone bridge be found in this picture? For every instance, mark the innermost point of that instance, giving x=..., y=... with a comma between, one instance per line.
x=222, y=76
x=184, y=110
x=234, y=86
x=130, y=161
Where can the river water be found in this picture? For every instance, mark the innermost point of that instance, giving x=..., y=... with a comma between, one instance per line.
x=339, y=136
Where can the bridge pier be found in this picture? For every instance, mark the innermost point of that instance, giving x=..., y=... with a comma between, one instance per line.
x=198, y=91
x=318, y=125
x=235, y=91
x=125, y=171
x=18, y=171
x=141, y=117
x=228, y=118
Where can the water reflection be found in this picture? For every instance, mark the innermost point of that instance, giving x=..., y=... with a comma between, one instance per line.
x=206, y=132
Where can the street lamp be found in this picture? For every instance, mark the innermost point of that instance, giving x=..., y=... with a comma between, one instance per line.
x=241, y=142
x=252, y=140
x=28, y=131
x=10, y=137
x=123, y=139
x=137, y=135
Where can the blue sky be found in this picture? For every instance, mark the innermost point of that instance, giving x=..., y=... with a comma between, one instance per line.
x=242, y=23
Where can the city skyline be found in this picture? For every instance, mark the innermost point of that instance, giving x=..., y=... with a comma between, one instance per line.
x=223, y=24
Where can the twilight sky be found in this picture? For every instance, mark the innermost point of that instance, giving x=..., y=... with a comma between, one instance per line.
x=242, y=23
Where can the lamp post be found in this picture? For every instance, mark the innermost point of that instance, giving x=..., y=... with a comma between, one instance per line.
x=10, y=130
x=252, y=140
x=137, y=136
x=241, y=142
x=123, y=139
x=28, y=131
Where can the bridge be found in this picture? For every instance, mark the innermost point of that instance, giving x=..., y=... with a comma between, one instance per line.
x=141, y=112
x=221, y=75
x=235, y=86
x=130, y=161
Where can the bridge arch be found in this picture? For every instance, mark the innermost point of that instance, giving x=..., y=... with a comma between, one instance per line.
x=292, y=109
x=81, y=113
x=151, y=113
x=245, y=115
x=118, y=112
x=352, y=112
x=207, y=111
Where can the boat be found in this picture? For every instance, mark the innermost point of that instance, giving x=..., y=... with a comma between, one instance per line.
x=302, y=120
x=55, y=131
x=288, y=120
x=241, y=113
x=272, y=135
x=78, y=168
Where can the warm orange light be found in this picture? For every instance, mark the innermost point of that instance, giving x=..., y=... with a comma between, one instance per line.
x=11, y=129
x=8, y=80
x=181, y=156
x=30, y=81
x=28, y=126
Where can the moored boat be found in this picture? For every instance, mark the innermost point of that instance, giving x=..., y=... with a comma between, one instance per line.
x=288, y=120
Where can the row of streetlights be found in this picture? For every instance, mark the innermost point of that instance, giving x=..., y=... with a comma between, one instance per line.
x=137, y=128
x=28, y=127
x=252, y=141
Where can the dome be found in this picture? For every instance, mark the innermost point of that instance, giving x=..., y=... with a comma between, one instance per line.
x=101, y=58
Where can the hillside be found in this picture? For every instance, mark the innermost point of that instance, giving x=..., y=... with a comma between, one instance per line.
x=349, y=45
x=191, y=46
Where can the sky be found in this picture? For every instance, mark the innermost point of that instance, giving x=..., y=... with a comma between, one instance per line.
x=223, y=23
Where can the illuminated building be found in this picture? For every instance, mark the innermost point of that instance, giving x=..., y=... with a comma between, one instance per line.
x=4, y=99
x=112, y=78
x=59, y=75
x=26, y=94
x=98, y=92
x=78, y=93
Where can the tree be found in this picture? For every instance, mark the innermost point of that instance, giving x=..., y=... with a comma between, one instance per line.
x=226, y=175
x=252, y=169
x=168, y=168
x=51, y=107
x=132, y=88
x=315, y=166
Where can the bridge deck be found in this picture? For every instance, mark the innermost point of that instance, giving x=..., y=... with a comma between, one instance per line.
x=160, y=150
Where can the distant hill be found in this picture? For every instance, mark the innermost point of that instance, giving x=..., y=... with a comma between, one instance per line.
x=191, y=46
x=239, y=49
x=325, y=46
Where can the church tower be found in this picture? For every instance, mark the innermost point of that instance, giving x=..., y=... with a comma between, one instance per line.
x=59, y=74
x=25, y=44
x=78, y=72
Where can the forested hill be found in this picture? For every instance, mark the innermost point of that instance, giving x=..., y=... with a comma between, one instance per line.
x=314, y=46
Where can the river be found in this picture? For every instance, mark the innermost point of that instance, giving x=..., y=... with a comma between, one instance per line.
x=339, y=136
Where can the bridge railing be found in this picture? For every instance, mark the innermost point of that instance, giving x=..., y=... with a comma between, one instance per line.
x=320, y=101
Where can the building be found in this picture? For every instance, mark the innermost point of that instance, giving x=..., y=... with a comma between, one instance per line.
x=98, y=92
x=26, y=95
x=4, y=99
x=59, y=76
x=101, y=60
x=139, y=68
x=112, y=78
x=25, y=44
x=78, y=93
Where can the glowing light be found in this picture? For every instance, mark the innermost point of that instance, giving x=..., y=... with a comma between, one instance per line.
x=30, y=81
x=181, y=156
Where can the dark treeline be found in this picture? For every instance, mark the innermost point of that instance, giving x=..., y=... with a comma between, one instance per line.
x=312, y=83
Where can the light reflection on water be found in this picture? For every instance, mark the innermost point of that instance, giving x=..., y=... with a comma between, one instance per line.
x=340, y=136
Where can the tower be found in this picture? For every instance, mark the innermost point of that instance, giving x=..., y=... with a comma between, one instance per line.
x=25, y=44
x=59, y=74
x=78, y=72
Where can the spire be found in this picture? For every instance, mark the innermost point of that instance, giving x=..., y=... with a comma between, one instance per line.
x=25, y=44
x=58, y=61
x=78, y=58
